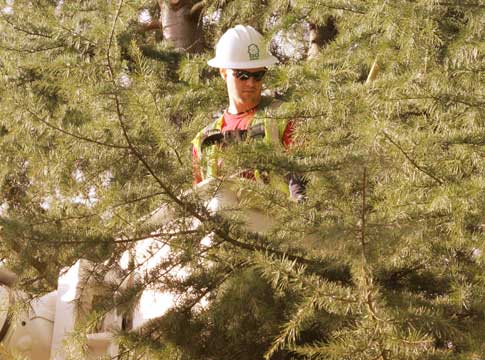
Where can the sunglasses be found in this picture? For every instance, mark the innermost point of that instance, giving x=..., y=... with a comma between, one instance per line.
x=244, y=75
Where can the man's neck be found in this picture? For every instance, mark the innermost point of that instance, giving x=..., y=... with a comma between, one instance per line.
x=235, y=108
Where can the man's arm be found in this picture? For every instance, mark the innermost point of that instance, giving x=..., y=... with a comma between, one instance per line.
x=196, y=171
x=296, y=183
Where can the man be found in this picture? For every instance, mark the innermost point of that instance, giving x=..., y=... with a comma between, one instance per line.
x=242, y=63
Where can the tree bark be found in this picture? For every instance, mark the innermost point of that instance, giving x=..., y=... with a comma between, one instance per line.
x=181, y=24
x=320, y=35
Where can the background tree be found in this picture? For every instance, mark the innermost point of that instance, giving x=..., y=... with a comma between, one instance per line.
x=385, y=258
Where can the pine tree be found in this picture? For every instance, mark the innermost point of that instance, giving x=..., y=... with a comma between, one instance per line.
x=384, y=258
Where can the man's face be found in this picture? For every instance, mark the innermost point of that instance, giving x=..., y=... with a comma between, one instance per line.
x=243, y=90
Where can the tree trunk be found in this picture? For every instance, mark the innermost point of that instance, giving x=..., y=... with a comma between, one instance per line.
x=181, y=24
x=321, y=35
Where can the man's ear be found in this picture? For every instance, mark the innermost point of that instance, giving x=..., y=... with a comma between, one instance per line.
x=223, y=73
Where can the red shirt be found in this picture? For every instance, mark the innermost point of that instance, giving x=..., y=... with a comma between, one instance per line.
x=240, y=122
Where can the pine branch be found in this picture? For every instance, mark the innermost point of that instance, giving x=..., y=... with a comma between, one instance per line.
x=211, y=287
x=87, y=216
x=365, y=270
x=444, y=98
x=121, y=120
x=342, y=8
x=224, y=235
x=37, y=264
x=157, y=236
x=460, y=4
x=297, y=116
x=77, y=34
x=424, y=171
x=5, y=17
x=121, y=281
x=363, y=217
x=31, y=51
x=76, y=136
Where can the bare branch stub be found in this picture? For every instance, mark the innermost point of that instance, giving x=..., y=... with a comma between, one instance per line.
x=321, y=35
x=197, y=9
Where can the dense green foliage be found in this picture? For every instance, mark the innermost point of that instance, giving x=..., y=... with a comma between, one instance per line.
x=384, y=260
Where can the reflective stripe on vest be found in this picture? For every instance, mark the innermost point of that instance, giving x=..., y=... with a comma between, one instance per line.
x=208, y=157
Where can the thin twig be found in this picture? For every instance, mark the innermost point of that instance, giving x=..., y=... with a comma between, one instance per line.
x=475, y=5
x=79, y=137
x=424, y=171
x=16, y=27
x=31, y=51
x=361, y=12
x=362, y=226
x=365, y=269
x=87, y=216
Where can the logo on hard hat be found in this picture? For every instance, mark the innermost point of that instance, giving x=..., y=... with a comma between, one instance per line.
x=253, y=51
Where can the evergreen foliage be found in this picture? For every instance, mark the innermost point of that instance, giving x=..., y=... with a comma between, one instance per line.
x=384, y=259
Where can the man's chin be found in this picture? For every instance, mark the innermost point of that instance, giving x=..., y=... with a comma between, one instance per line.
x=251, y=98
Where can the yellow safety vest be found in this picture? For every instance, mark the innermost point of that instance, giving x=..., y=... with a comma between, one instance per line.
x=208, y=148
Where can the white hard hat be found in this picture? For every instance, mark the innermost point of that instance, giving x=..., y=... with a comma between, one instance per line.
x=241, y=48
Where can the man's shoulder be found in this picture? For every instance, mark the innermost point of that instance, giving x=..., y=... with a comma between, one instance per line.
x=210, y=129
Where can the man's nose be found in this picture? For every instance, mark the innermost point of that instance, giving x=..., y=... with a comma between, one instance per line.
x=252, y=81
